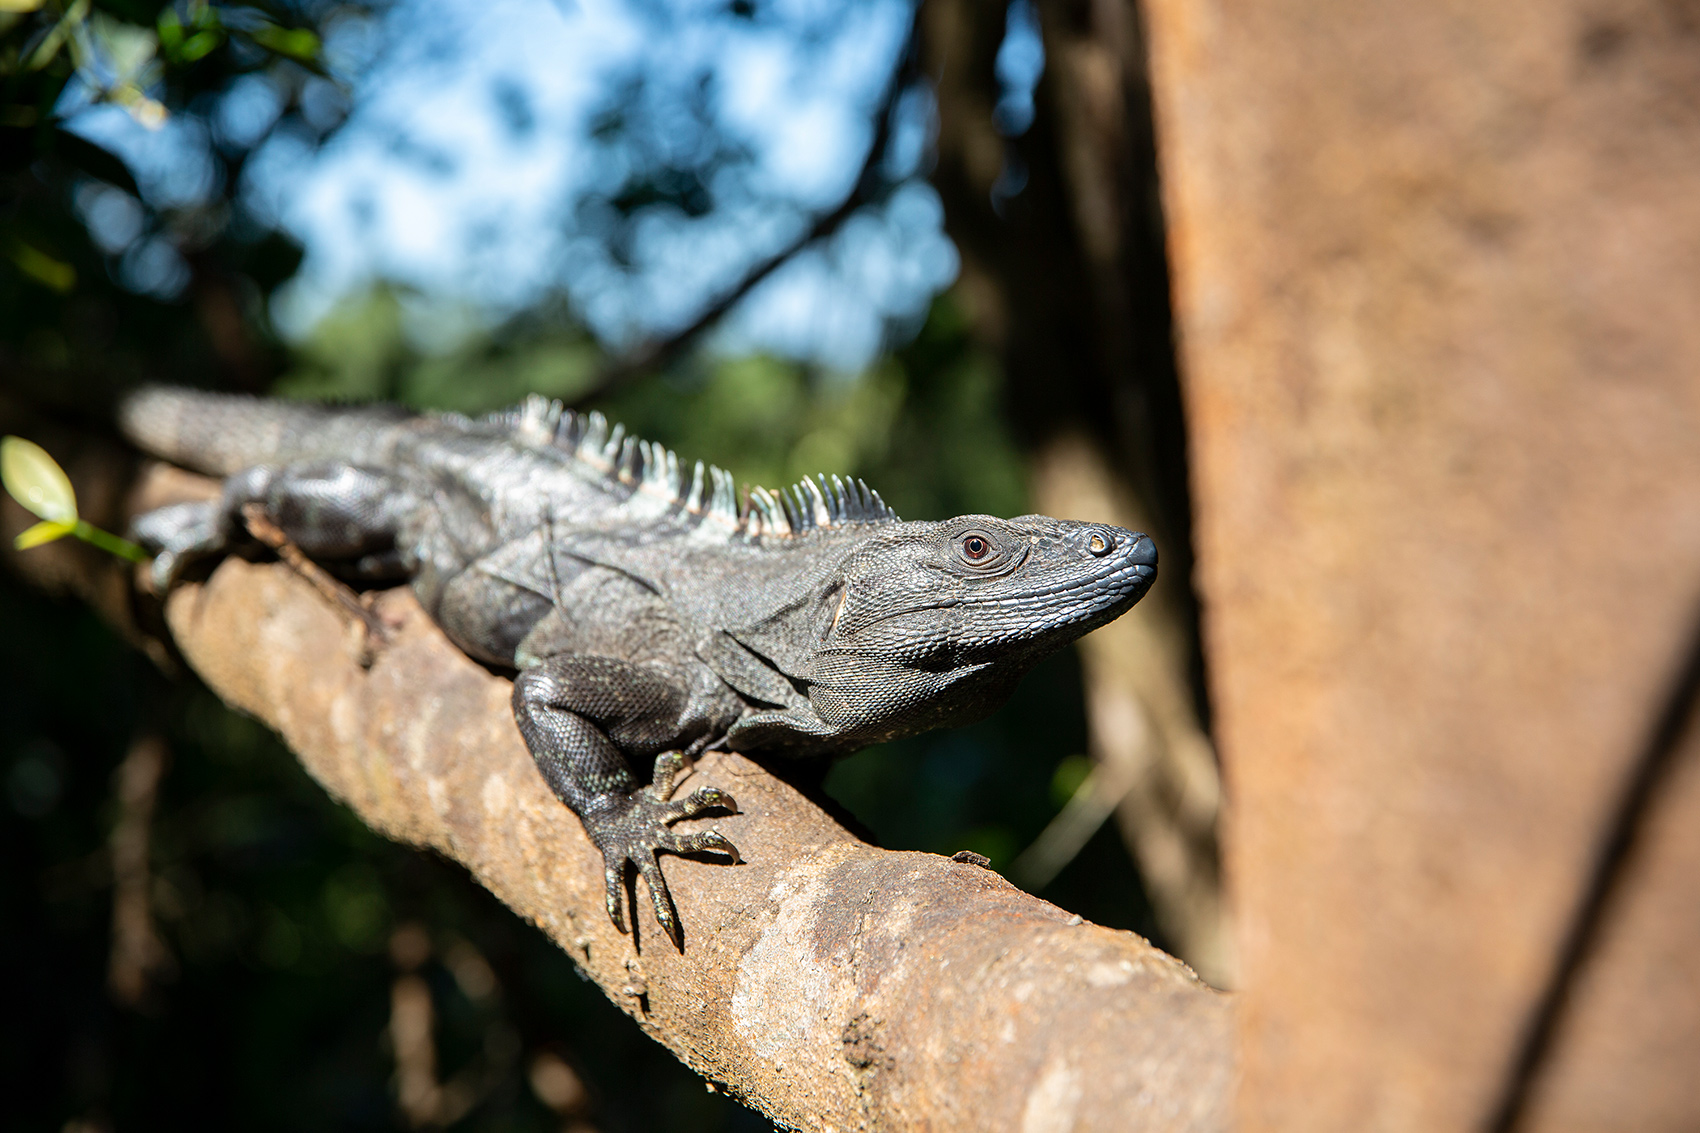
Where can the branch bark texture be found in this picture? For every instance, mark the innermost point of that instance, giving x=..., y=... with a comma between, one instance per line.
x=827, y=983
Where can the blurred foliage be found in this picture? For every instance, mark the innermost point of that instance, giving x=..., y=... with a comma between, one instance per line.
x=274, y=905
x=369, y=349
x=86, y=253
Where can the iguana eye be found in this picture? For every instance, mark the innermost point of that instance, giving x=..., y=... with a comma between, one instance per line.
x=980, y=554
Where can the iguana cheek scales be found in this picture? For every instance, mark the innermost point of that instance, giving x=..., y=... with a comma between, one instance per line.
x=650, y=614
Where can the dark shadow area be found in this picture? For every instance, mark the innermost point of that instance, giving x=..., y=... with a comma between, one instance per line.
x=271, y=1006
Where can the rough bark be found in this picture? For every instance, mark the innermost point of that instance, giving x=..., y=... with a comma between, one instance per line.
x=827, y=983
x=1436, y=269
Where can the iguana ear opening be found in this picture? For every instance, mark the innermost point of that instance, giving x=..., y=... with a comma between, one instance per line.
x=831, y=609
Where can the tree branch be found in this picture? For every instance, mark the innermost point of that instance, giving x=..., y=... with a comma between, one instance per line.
x=826, y=983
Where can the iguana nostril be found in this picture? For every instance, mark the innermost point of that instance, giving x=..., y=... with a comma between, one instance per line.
x=1099, y=545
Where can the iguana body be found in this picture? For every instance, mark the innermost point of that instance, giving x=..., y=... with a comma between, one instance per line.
x=648, y=612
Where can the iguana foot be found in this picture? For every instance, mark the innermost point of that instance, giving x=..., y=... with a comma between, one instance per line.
x=177, y=535
x=635, y=830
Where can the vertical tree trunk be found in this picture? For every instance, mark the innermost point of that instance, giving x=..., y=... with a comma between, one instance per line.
x=1437, y=268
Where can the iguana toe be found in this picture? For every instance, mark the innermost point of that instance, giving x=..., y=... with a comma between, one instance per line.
x=700, y=800
x=637, y=831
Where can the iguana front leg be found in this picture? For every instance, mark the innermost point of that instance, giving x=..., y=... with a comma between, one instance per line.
x=335, y=513
x=579, y=715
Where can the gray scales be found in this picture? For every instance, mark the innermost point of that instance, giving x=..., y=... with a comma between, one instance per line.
x=648, y=610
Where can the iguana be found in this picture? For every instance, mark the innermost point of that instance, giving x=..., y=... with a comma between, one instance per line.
x=646, y=609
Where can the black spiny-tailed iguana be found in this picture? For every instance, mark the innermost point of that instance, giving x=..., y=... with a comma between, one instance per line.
x=648, y=612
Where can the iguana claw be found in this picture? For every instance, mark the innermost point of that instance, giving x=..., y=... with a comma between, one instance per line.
x=637, y=832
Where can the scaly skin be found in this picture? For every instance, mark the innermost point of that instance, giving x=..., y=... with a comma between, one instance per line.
x=647, y=613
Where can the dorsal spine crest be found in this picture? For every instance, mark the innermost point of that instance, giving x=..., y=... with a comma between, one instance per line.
x=709, y=492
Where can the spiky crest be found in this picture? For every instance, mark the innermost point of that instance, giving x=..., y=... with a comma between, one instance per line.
x=708, y=491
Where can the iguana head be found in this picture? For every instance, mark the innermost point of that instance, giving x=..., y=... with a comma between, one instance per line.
x=978, y=589
x=918, y=625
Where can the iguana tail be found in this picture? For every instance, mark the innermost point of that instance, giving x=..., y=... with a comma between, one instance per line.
x=223, y=433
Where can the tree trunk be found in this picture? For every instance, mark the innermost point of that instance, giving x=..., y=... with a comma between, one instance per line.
x=1437, y=268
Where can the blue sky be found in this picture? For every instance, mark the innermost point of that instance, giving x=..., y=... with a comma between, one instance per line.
x=465, y=153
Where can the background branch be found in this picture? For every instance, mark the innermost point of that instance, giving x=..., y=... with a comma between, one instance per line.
x=865, y=189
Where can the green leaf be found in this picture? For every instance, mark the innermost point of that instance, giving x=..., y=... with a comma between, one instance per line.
x=55, y=275
x=199, y=45
x=62, y=31
x=203, y=36
x=170, y=30
x=36, y=481
x=296, y=43
x=44, y=532
x=1068, y=777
